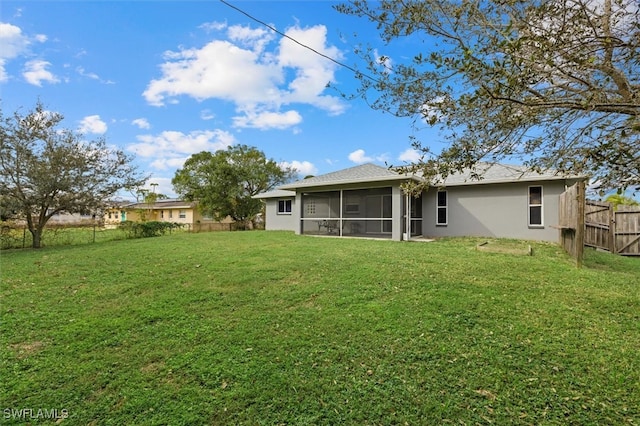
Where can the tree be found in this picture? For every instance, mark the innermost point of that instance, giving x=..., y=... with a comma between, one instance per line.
x=554, y=84
x=621, y=200
x=46, y=170
x=223, y=183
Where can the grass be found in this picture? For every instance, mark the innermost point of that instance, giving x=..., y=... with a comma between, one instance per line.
x=63, y=235
x=272, y=328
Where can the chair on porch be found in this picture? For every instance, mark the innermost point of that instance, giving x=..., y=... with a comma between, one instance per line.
x=332, y=226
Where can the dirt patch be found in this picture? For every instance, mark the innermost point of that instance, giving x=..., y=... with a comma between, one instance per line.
x=25, y=349
x=498, y=247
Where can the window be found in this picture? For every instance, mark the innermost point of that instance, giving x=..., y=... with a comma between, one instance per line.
x=441, y=208
x=535, y=206
x=161, y=214
x=182, y=214
x=170, y=214
x=284, y=206
x=311, y=207
x=352, y=208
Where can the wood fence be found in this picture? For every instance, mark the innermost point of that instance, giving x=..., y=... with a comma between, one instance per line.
x=613, y=229
x=597, y=224
x=572, y=226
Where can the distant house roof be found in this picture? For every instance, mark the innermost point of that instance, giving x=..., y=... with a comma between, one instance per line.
x=163, y=204
x=503, y=173
x=357, y=174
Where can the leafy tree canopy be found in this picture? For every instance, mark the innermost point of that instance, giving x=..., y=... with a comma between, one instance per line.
x=554, y=84
x=46, y=170
x=621, y=200
x=224, y=182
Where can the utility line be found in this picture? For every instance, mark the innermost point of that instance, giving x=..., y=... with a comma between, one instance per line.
x=355, y=71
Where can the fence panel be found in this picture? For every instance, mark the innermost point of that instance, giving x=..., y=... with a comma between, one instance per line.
x=627, y=231
x=598, y=224
x=571, y=219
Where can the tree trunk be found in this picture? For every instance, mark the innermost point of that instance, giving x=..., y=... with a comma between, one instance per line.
x=36, y=234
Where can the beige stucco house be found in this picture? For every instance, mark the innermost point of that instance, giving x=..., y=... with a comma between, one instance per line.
x=175, y=211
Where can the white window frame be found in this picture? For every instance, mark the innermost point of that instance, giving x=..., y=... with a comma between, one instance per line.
x=182, y=214
x=530, y=205
x=445, y=207
x=284, y=203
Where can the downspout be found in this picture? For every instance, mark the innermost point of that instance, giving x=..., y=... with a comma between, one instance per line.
x=408, y=217
x=340, y=220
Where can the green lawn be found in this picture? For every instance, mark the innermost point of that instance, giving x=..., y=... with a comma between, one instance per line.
x=271, y=328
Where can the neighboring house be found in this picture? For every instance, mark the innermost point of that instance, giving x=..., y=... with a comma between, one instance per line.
x=170, y=210
x=63, y=218
x=114, y=213
x=368, y=201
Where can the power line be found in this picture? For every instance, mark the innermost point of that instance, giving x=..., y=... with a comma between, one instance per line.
x=355, y=71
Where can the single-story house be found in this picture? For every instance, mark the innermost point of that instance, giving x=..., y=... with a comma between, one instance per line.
x=368, y=201
x=169, y=210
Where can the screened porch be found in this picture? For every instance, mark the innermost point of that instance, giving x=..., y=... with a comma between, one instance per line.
x=354, y=213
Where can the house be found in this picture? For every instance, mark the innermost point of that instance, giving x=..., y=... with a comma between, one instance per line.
x=114, y=213
x=368, y=201
x=169, y=210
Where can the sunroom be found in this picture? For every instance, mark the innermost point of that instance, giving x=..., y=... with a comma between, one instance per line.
x=342, y=204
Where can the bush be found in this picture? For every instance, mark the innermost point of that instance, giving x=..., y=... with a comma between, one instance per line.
x=11, y=235
x=147, y=229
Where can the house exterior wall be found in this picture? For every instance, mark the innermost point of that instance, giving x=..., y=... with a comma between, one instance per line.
x=494, y=210
x=280, y=221
x=173, y=215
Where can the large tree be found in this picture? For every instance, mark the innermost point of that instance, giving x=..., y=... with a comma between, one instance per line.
x=46, y=170
x=550, y=83
x=223, y=183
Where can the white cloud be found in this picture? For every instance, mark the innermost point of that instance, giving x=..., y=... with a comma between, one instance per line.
x=261, y=89
x=207, y=114
x=92, y=124
x=213, y=72
x=409, y=155
x=35, y=72
x=83, y=73
x=14, y=44
x=384, y=61
x=304, y=168
x=163, y=187
x=168, y=163
x=142, y=123
x=170, y=149
x=358, y=156
x=268, y=120
x=213, y=26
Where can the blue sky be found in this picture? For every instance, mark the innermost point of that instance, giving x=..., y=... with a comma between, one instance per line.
x=165, y=79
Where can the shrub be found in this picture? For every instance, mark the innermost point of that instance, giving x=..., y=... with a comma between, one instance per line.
x=147, y=229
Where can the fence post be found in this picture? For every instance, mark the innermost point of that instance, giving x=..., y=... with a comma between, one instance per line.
x=580, y=225
x=612, y=230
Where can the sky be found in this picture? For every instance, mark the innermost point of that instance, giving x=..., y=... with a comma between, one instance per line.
x=162, y=80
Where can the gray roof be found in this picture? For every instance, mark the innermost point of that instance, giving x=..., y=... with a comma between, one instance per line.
x=166, y=204
x=489, y=172
x=502, y=173
x=276, y=193
x=363, y=173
